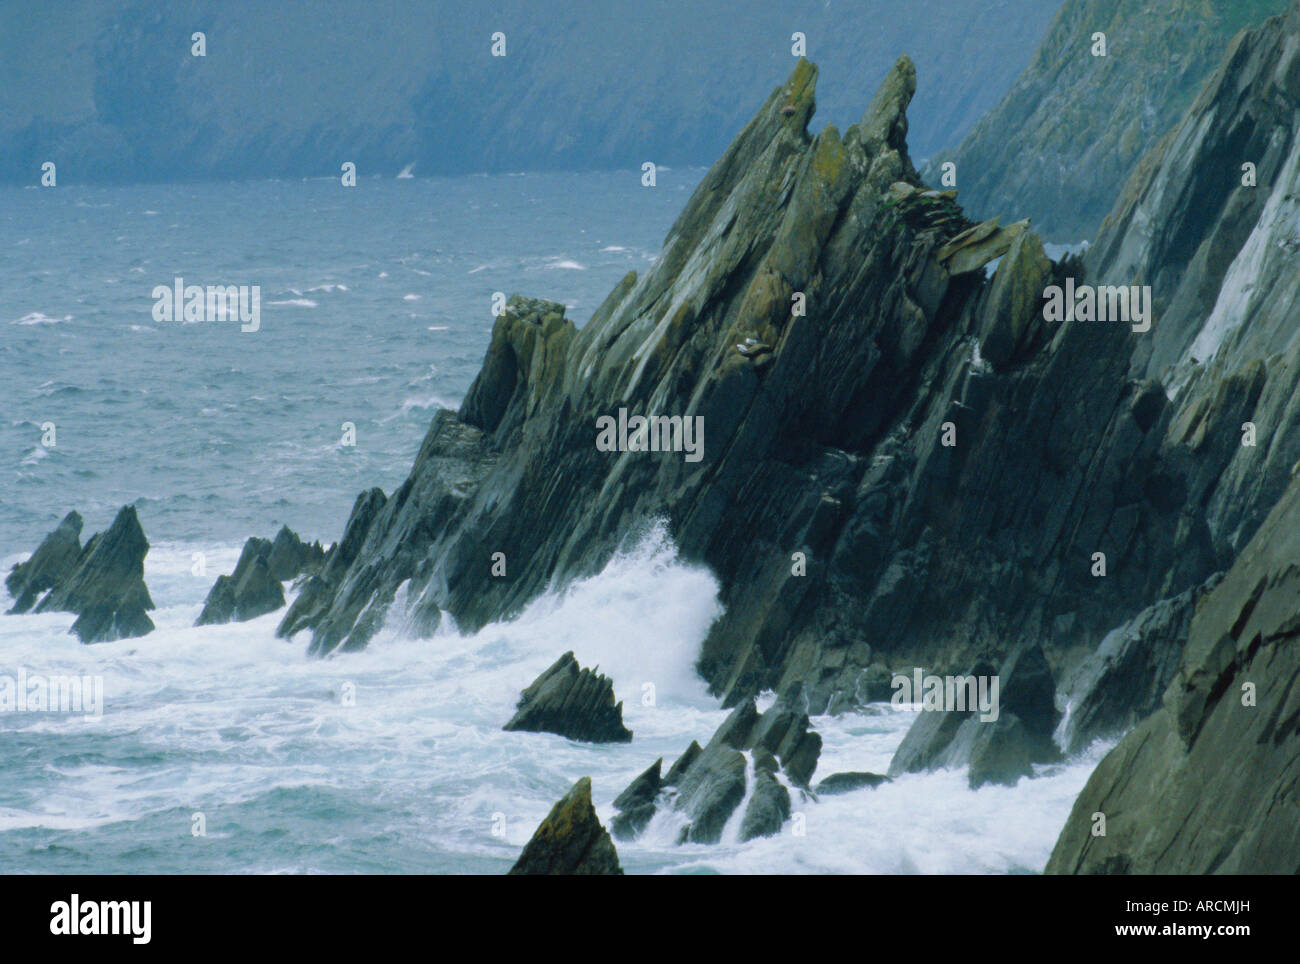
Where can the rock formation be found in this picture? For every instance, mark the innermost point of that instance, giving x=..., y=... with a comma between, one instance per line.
x=570, y=841
x=256, y=586
x=1204, y=785
x=106, y=586
x=752, y=757
x=903, y=460
x=1000, y=746
x=52, y=563
x=573, y=702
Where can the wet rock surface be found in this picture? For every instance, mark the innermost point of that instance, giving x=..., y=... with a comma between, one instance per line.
x=570, y=841
x=753, y=758
x=256, y=587
x=106, y=587
x=574, y=702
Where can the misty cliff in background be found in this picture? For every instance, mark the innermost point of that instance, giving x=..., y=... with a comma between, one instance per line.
x=111, y=91
x=1066, y=136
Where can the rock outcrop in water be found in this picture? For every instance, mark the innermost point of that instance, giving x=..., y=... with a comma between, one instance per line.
x=570, y=841
x=256, y=587
x=752, y=759
x=999, y=744
x=571, y=701
x=843, y=531
x=52, y=563
x=105, y=587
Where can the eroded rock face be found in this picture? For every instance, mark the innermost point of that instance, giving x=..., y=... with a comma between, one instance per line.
x=1204, y=785
x=52, y=563
x=574, y=702
x=570, y=841
x=1122, y=682
x=825, y=316
x=106, y=589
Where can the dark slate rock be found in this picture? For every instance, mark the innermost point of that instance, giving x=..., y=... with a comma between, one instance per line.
x=1121, y=683
x=1027, y=717
x=573, y=702
x=53, y=561
x=674, y=774
x=1002, y=753
x=848, y=781
x=636, y=804
x=107, y=589
x=570, y=841
x=250, y=591
x=768, y=808
x=712, y=782
x=290, y=557
x=710, y=791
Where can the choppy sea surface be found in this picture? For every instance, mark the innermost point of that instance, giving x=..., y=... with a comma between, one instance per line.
x=375, y=310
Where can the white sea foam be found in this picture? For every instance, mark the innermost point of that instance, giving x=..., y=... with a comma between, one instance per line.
x=243, y=727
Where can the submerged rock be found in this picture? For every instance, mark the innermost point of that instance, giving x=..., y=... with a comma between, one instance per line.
x=849, y=781
x=573, y=702
x=106, y=589
x=52, y=563
x=570, y=841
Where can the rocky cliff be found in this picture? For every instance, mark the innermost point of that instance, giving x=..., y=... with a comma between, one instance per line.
x=1068, y=133
x=1206, y=784
x=867, y=428
x=827, y=321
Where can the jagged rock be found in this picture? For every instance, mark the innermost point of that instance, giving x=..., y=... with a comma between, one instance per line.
x=570, y=841
x=106, y=589
x=250, y=591
x=710, y=783
x=848, y=781
x=830, y=445
x=1014, y=299
x=768, y=809
x=573, y=702
x=636, y=804
x=674, y=774
x=926, y=743
x=52, y=562
x=290, y=557
x=1002, y=752
x=1121, y=683
x=977, y=246
x=710, y=791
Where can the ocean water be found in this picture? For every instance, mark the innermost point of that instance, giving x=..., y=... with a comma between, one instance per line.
x=375, y=311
